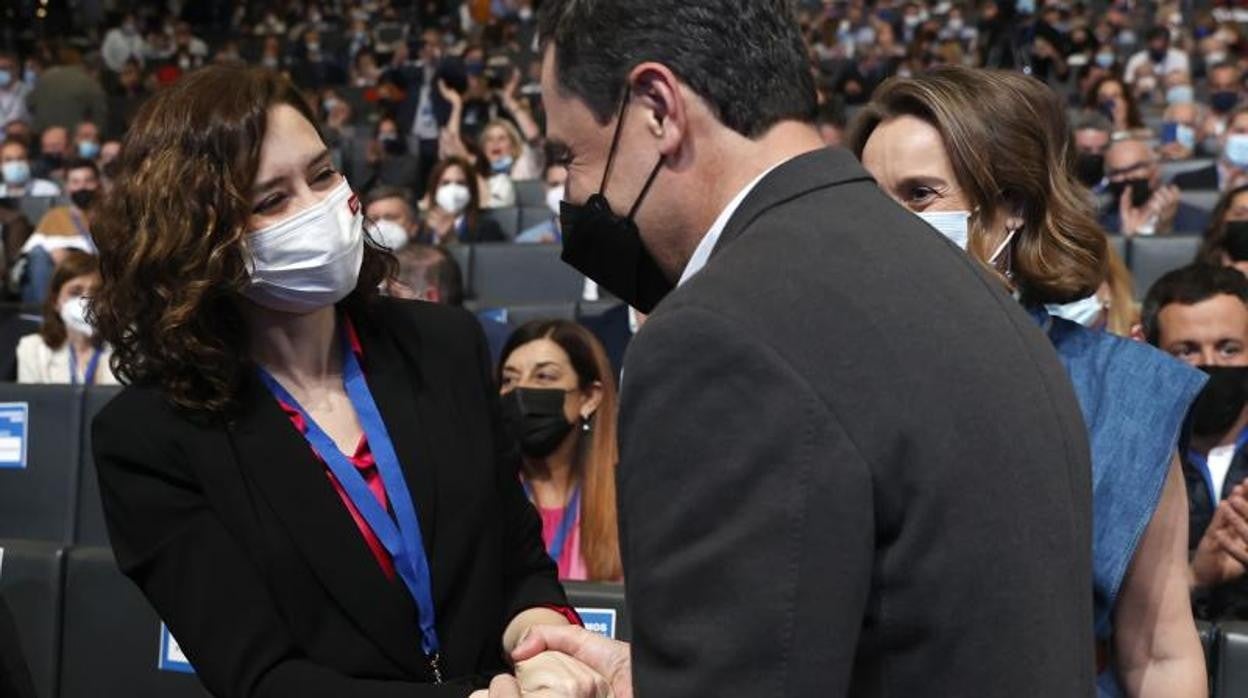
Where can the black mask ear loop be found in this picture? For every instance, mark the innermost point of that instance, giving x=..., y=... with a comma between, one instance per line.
x=615, y=142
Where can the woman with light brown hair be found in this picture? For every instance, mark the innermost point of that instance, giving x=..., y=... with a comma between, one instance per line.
x=559, y=401
x=986, y=158
x=308, y=481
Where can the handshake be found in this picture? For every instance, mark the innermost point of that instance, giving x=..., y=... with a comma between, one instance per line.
x=554, y=661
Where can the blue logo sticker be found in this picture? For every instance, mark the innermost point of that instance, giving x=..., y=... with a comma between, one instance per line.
x=14, y=418
x=599, y=620
x=171, y=656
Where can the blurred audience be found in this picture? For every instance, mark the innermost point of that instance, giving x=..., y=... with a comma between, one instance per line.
x=452, y=207
x=16, y=175
x=1231, y=168
x=66, y=349
x=1139, y=203
x=430, y=273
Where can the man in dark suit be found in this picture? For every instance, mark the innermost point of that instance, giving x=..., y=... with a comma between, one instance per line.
x=1139, y=204
x=850, y=465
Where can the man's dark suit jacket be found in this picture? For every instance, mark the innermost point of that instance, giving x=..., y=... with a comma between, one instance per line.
x=1188, y=220
x=237, y=537
x=1204, y=179
x=851, y=466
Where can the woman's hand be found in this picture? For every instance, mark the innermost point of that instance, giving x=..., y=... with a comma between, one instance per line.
x=549, y=675
x=609, y=658
x=557, y=674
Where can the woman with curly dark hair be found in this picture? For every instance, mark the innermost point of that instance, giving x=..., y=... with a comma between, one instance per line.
x=309, y=482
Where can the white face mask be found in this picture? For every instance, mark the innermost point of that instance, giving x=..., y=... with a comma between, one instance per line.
x=1085, y=311
x=452, y=198
x=1236, y=151
x=554, y=197
x=954, y=225
x=310, y=260
x=74, y=315
x=389, y=234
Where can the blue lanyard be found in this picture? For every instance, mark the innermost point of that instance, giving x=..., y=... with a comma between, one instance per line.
x=555, y=549
x=1202, y=461
x=403, y=541
x=92, y=366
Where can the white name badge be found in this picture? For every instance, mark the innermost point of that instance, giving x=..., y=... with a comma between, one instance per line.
x=171, y=656
x=14, y=419
x=599, y=620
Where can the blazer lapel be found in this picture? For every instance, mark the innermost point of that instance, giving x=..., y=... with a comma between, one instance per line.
x=395, y=382
x=803, y=174
x=294, y=484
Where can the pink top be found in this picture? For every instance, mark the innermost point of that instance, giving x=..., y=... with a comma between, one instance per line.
x=571, y=562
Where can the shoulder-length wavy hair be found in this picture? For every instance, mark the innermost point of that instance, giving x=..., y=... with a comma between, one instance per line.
x=1010, y=148
x=171, y=236
x=597, y=458
x=75, y=264
x=1215, y=236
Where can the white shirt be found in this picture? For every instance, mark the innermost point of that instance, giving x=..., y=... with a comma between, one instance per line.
x=39, y=363
x=1218, y=461
x=35, y=187
x=702, y=253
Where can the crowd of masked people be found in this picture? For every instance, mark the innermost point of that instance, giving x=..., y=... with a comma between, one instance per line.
x=432, y=112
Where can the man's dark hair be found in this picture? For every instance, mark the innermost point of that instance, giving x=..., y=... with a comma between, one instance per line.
x=82, y=164
x=1189, y=285
x=746, y=58
x=1158, y=32
x=422, y=266
x=388, y=192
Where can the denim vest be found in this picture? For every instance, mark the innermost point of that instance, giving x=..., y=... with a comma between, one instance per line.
x=1134, y=399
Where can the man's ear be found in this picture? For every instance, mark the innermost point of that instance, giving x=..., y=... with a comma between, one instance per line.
x=666, y=110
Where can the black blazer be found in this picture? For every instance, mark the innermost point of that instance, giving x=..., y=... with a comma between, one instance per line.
x=240, y=542
x=851, y=465
x=1204, y=179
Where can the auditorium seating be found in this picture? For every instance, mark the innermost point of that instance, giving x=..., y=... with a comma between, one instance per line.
x=530, y=192
x=1231, y=675
x=32, y=575
x=37, y=501
x=1151, y=257
x=112, y=637
x=1170, y=169
x=501, y=274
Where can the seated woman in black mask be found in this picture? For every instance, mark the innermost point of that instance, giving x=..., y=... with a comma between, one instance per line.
x=559, y=400
x=1226, y=239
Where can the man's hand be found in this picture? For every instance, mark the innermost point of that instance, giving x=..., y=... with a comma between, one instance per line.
x=609, y=658
x=1222, y=554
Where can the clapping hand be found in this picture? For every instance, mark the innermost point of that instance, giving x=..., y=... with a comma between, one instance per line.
x=1222, y=554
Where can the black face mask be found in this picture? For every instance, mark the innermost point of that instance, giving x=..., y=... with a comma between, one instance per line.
x=1140, y=191
x=534, y=417
x=1090, y=169
x=83, y=198
x=607, y=247
x=1235, y=241
x=394, y=146
x=1157, y=54
x=1222, y=400
x=1223, y=101
x=53, y=161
